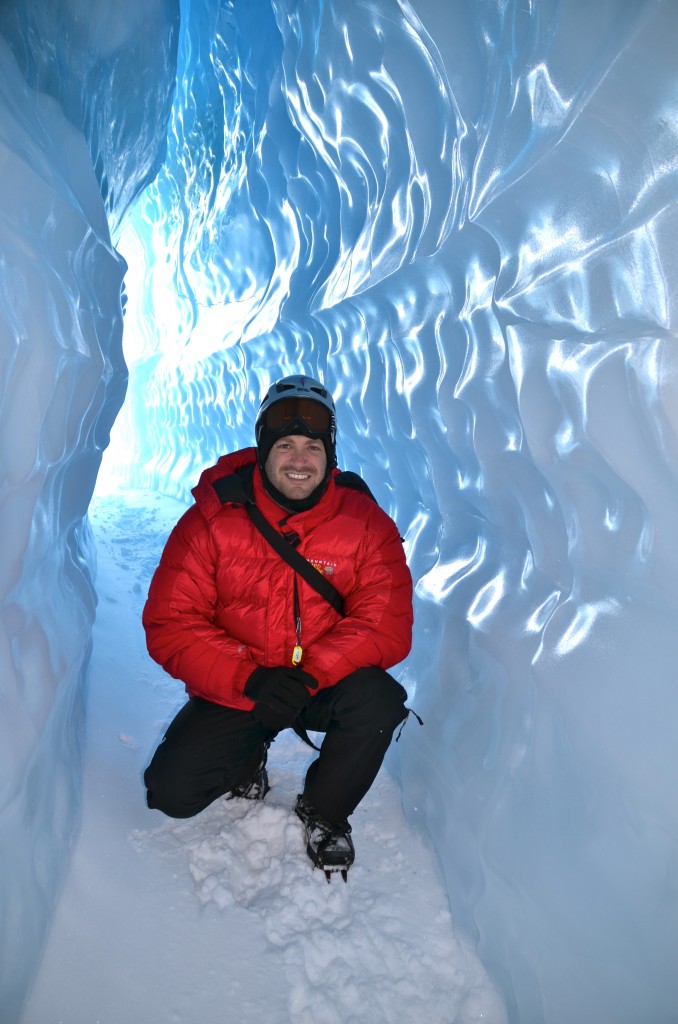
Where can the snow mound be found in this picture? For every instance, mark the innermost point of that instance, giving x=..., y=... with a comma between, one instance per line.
x=381, y=947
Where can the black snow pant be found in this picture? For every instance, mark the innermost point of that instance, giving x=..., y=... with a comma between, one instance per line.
x=208, y=749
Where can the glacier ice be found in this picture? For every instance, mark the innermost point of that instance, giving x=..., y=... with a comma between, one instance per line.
x=62, y=385
x=463, y=217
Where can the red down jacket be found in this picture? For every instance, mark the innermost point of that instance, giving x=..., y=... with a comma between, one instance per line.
x=221, y=601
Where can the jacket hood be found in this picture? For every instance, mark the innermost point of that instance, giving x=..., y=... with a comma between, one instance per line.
x=209, y=502
x=205, y=496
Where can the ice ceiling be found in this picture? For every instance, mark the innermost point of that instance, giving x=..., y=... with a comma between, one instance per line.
x=462, y=216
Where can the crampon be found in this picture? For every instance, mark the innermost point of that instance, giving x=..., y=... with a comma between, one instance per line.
x=328, y=844
x=254, y=788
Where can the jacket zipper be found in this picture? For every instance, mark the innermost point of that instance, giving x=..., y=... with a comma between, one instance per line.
x=293, y=538
x=298, y=652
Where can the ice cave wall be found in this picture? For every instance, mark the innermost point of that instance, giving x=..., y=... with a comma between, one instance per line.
x=463, y=217
x=60, y=294
x=64, y=109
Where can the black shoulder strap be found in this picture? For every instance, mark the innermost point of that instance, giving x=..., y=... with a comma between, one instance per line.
x=293, y=557
x=237, y=487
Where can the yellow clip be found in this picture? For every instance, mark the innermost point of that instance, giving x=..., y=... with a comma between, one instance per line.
x=297, y=655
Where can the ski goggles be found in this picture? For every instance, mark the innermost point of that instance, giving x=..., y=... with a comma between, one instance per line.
x=310, y=414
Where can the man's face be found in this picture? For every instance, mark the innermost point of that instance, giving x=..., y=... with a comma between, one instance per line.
x=296, y=465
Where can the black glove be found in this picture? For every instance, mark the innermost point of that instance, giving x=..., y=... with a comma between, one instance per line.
x=279, y=695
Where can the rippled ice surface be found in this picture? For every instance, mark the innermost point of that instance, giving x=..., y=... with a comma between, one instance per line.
x=463, y=217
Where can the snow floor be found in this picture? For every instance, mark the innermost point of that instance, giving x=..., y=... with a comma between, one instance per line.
x=222, y=918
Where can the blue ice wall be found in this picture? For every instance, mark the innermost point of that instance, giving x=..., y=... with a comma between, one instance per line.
x=66, y=120
x=462, y=216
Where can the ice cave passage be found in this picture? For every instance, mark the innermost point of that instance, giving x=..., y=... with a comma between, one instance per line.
x=463, y=218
